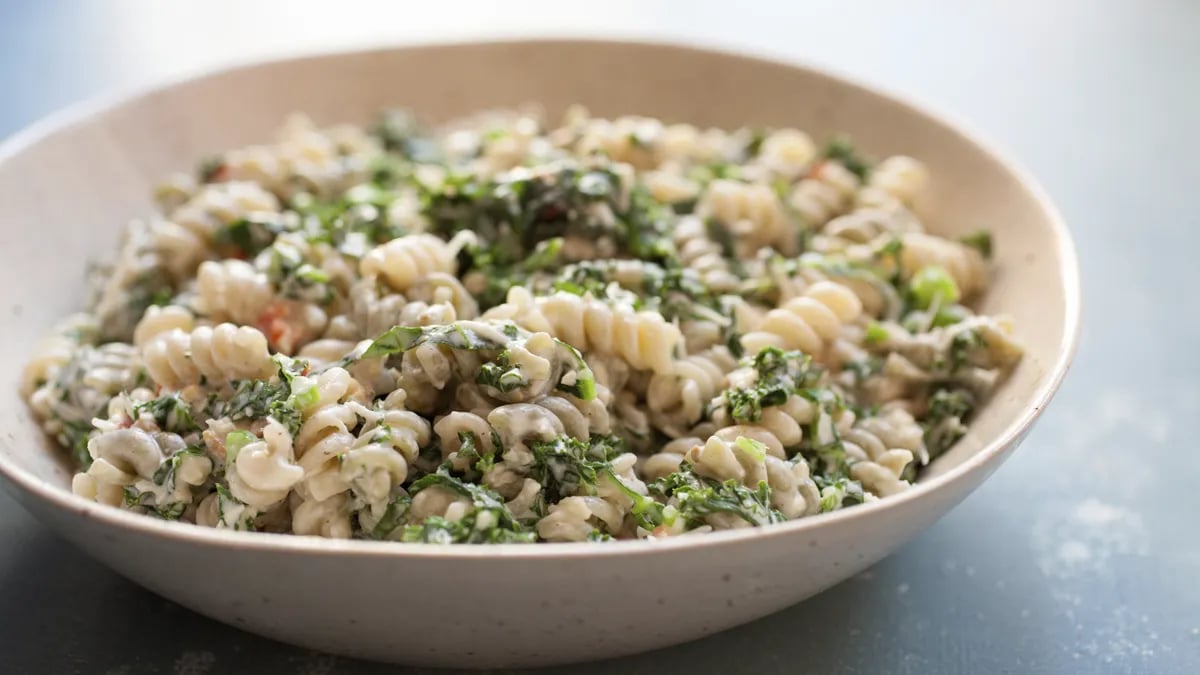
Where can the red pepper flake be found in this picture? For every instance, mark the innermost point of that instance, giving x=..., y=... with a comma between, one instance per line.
x=276, y=323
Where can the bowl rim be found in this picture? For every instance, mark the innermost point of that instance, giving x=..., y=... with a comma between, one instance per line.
x=187, y=533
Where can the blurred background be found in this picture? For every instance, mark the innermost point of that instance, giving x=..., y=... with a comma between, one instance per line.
x=1080, y=556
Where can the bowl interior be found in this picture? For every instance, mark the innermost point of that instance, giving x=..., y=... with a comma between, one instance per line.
x=69, y=185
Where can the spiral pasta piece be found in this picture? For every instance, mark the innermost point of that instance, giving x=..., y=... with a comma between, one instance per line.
x=160, y=320
x=215, y=205
x=826, y=192
x=404, y=261
x=787, y=152
x=965, y=264
x=263, y=472
x=232, y=290
x=681, y=398
x=575, y=518
x=441, y=289
x=894, y=184
x=378, y=462
x=304, y=158
x=722, y=457
x=699, y=252
x=752, y=213
x=807, y=322
x=452, y=428
x=55, y=351
x=863, y=226
x=214, y=355
x=631, y=140
x=644, y=339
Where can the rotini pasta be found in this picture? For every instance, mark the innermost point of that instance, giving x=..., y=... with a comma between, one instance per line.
x=753, y=215
x=508, y=331
x=404, y=261
x=216, y=355
x=232, y=290
x=826, y=192
x=807, y=322
x=644, y=339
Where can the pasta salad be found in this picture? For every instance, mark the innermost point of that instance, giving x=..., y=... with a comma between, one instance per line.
x=498, y=330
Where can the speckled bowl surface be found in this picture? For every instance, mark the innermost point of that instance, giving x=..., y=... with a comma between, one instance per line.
x=69, y=184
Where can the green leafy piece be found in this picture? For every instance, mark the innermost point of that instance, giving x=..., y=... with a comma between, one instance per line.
x=697, y=497
x=399, y=339
x=165, y=474
x=944, y=421
x=352, y=223
x=469, y=450
x=567, y=466
x=581, y=381
x=545, y=255
x=733, y=341
x=153, y=286
x=170, y=413
x=707, y=173
x=841, y=150
x=501, y=276
x=981, y=241
x=963, y=345
x=839, y=492
x=232, y=512
x=162, y=296
x=303, y=399
x=950, y=315
x=516, y=210
x=295, y=277
x=399, y=132
x=676, y=292
x=164, y=478
x=488, y=522
x=673, y=291
x=584, y=278
x=647, y=228
x=875, y=333
x=822, y=444
x=75, y=436
x=481, y=496
x=933, y=285
x=393, y=516
x=132, y=498
x=501, y=375
x=257, y=399
x=950, y=403
x=135, y=499
x=514, y=213
x=890, y=251
x=235, y=441
x=754, y=143
x=756, y=450
x=861, y=370
x=723, y=238
x=247, y=237
x=438, y=530
x=780, y=375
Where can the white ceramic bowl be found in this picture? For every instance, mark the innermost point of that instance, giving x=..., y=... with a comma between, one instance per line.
x=69, y=183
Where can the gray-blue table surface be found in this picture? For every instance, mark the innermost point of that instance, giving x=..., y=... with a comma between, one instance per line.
x=1081, y=555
